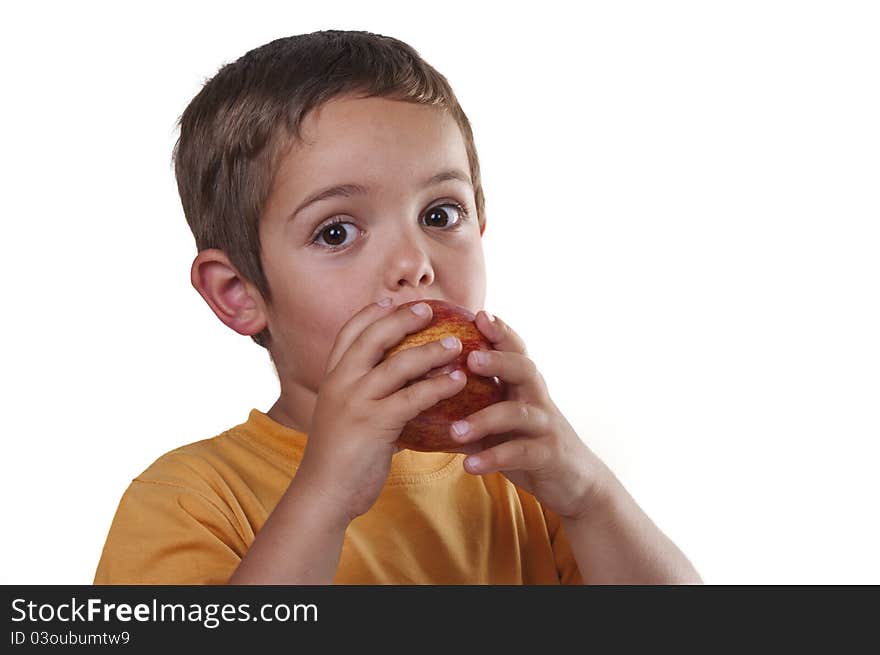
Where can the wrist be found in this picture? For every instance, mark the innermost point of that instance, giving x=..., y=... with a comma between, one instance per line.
x=321, y=501
x=597, y=500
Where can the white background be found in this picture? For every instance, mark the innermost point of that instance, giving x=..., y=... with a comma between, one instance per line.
x=683, y=224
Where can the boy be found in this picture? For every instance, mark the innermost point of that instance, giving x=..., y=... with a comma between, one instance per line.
x=329, y=178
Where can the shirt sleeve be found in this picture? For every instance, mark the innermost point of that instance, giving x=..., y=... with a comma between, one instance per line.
x=164, y=533
x=566, y=564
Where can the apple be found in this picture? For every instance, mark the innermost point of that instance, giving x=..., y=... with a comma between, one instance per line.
x=429, y=431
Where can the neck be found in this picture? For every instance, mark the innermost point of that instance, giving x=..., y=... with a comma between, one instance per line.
x=294, y=408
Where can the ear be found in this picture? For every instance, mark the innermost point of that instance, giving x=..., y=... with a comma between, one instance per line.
x=235, y=301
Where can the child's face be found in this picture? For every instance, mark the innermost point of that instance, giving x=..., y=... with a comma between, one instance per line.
x=399, y=239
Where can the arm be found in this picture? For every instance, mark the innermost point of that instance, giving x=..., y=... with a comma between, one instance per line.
x=615, y=542
x=300, y=543
x=530, y=442
x=361, y=408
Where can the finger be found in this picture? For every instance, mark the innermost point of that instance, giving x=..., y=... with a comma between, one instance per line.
x=499, y=333
x=481, y=445
x=519, y=454
x=369, y=347
x=353, y=328
x=511, y=368
x=501, y=417
x=409, y=402
x=412, y=364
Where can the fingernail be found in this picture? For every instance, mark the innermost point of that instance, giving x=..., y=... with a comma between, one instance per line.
x=450, y=343
x=473, y=463
x=461, y=427
x=479, y=357
x=385, y=302
x=421, y=309
x=490, y=317
x=457, y=375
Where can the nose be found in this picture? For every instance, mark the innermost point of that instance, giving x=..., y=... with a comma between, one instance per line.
x=408, y=262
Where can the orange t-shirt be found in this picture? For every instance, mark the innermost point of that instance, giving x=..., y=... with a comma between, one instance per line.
x=192, y=515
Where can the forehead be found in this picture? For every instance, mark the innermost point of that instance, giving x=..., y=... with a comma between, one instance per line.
x=374, y=141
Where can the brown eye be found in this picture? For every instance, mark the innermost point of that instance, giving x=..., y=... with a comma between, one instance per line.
x=335, y=235
x=440, y=216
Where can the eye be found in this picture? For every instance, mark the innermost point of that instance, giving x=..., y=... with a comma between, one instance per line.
x=437, y=216
x=336, y=236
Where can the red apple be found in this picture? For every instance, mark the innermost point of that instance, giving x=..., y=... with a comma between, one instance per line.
x=429, y=431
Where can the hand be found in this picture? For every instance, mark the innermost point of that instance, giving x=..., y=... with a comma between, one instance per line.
x=525, y=436
x=363, y=404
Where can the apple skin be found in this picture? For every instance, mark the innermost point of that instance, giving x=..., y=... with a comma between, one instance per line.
x=429, y=431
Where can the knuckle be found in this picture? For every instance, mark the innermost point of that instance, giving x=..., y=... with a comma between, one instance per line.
x=411, y=396
x=525, y=412
x=427, y=393
x=395, y=363
x=538, y=418
x=532, y=368
x=434, y=391
x=541, y=454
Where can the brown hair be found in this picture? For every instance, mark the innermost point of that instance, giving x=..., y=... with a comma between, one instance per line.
x=235, y=130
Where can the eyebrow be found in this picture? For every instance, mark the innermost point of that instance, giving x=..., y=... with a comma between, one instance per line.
x=348, y=190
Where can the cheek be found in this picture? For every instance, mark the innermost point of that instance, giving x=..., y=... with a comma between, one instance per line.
x=313, y=344
x=467, y=280
x=329, y=315
x=310, y=328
